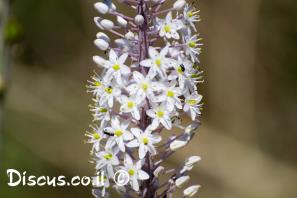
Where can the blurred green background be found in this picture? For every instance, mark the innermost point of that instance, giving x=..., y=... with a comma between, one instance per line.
x=248, y=138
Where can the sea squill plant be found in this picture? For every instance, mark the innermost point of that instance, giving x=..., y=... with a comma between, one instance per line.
x=146, y=105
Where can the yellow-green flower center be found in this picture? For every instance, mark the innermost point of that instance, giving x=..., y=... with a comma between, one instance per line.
x=130, y=104
x=116, y=67
x=190, y=14
x=167, y=28
x=96, y=136
x=98, y=84
x=192, y=44
x=131, y=172
x=170, y=93
x=118, y=132
x=160, y=114
x=180, y=70
x=145, y=141
x=103, y=110
x=158, y=62
x=192, y=102
x=145, y=86
x=108, y=156
x=108, y=90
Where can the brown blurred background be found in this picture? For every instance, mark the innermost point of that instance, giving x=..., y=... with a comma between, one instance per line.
x=248, y=138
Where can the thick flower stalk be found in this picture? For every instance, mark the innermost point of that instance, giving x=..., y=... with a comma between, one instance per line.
x=146, y=104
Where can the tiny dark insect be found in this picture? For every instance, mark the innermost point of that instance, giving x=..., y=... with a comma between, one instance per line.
x=107, y=133
x=182, y=67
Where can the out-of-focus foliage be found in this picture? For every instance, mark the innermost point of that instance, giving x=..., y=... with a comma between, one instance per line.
x=13, y=32
x=277, y=78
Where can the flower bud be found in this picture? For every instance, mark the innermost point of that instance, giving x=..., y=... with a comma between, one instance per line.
x=159, y=171
x=129, y=35
x=179, y=4
x=102, y=8
x=181, y=181
x=113, y=7
x=192, y=160
x=186, y=169
x=120, y=42
x=122, y=22
x=107, y=24
x=99, y=60
x=101, y=35
x=101, y=44
x=97, y=21
x=139, y=20
x=177, y=144
x=191, y=191
x=192, y=128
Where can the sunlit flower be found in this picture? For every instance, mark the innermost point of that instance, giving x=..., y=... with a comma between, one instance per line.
x=192, y=104
x=193, y=47
x=191, y=16
x=95, y=137
x=109, y=95
x=160, y=114
x=106, y=160
x=169, y=27
x=158, y=62
x=119, y=134
x=130, y=105
x=143, y=86
x=135, y=172
x=170, y=97
x=144, y=141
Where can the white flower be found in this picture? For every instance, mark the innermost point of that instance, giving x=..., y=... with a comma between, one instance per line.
x=108, y=96
x=148, y=82
x=192, y=105
x=115, y=66
x=158, y=63
x=169, y=27
x=106, y=160
x=191, y=16
x=130, y=105
x=120, y=134
x=95, y=86
x=100, y=112
x=193, y=47
x=191, y=191
x=160, y=114
x=145, y=141
x=181, y=71
x=95, y=137
x=143, y=86
x=135, y=172
x=170, y=97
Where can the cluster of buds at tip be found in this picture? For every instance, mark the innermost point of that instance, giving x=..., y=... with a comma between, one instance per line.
x=147, y=90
